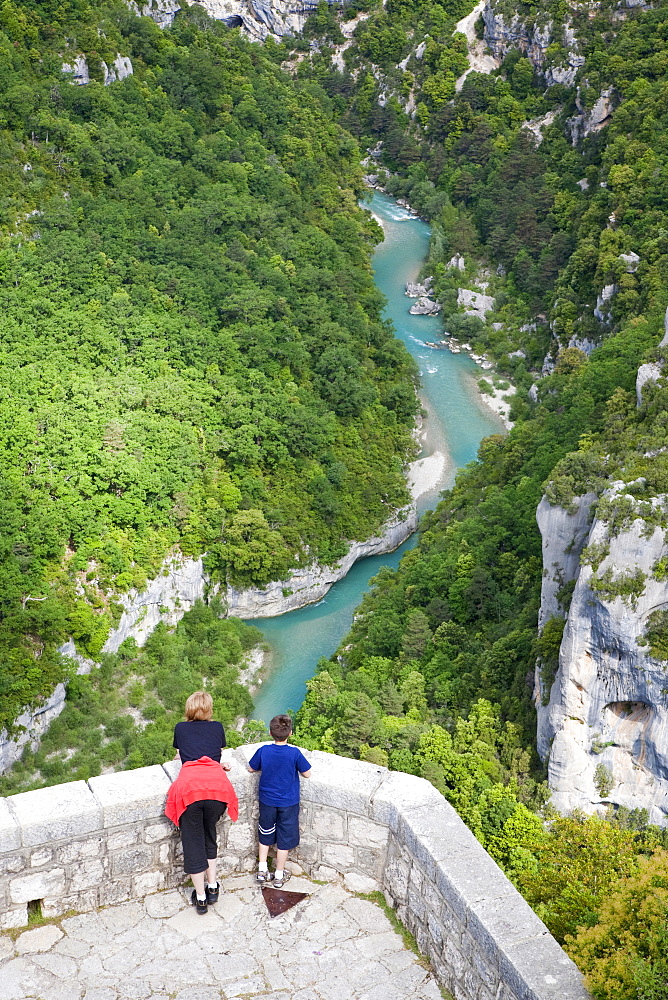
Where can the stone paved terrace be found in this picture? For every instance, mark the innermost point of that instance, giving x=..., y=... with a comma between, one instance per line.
x=331, y=946
x=76, y=847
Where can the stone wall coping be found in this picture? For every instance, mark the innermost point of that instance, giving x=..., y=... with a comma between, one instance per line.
x=10, y=831
x=56, y=813
x=369, y=802
x=128, y=796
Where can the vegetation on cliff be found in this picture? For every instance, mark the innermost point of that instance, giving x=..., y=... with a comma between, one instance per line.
x=191, y=337
x=437, y=674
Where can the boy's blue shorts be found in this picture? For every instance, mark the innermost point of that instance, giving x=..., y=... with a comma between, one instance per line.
x=279, y=825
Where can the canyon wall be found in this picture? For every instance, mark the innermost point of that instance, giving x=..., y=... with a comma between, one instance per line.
x=175, y=589
x=604, y=730
x=257, y=18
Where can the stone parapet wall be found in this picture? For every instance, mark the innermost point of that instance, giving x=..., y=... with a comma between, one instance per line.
x=85, y=844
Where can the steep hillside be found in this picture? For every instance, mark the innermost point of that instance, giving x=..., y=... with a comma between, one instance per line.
x=546, y=175
x=191, y=337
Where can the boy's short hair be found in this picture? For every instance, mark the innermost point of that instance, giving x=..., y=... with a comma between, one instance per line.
x=280, y=727
x=199, y=707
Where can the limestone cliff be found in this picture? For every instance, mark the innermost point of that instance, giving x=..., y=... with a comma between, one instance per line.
x=503, y=34
x=257, y=18
x=175, y=589
x=605, y=729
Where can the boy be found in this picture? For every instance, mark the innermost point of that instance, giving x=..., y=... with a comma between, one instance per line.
x=280, y=765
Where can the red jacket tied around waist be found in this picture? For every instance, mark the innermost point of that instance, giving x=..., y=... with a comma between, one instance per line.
x=197, y=780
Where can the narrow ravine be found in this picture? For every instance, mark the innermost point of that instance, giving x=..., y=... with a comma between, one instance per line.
x=458, y=420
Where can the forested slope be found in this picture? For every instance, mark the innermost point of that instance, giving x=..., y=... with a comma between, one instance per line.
x=192, y=352
x=557, y=190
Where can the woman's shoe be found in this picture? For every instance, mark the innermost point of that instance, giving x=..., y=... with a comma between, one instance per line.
x=212, y=894
x=199, y=904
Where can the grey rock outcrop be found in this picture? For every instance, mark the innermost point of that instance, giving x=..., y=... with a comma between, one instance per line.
x=583, y=344
x=34, y=723
x=631, y=260
x=592, y=119
x=79, y=70
x=257, y=18
x=603, y=304
x=475, y=303
x=415, y=290
x=564, y=534
x=533, y=41
x=119, y=70
x=312, y=583
x=457, y=261
x=606, y=716
x=425, y=307
x=650, y=372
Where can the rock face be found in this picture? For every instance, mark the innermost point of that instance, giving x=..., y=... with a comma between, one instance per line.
x=119, y=70
x=79, y=71
x=475, y=303
x=605, y=728
x=533, y=41
x=311, y=584
x=603, y=304
x=257, y=18
x=564, y=535
x=592, y=120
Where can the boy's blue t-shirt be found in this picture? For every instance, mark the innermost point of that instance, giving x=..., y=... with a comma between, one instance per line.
x=279, y=777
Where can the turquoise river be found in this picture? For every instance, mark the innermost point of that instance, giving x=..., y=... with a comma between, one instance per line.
x=457, y=421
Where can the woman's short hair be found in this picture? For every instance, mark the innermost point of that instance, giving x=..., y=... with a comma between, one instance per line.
x=199, y=706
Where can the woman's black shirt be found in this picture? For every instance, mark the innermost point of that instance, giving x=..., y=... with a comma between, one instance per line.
x=199, y=738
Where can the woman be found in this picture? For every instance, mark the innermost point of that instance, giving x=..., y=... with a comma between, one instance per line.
x=198, y=797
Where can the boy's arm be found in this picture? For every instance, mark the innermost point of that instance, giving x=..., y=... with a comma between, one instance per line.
x=306, y=774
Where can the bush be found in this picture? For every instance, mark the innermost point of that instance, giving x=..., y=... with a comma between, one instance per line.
x=625, y=955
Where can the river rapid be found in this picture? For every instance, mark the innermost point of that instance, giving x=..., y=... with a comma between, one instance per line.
x=457, y=421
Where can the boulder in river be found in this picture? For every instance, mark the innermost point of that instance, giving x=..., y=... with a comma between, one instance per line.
x=415, y=290
x=425, y=307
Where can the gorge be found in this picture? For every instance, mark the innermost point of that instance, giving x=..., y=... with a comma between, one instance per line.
x=207, y=402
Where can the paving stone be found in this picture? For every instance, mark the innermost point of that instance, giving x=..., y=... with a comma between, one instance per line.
x=163, y=904
x=376, y=945
x=354, y=882
x=58, y=965
x=367, y=914
x=6, y=947
x=245, y=987
x=73, y=948
x=39, y=939
x=332, y=947
x=199, y=993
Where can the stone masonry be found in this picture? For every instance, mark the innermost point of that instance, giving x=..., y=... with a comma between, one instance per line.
x=74, y=847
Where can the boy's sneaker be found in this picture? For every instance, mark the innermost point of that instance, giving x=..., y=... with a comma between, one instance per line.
x=264, y=876
x=279, y=882
x=199, y=904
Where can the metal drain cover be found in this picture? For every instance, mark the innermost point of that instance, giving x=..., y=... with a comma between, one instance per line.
x=280, y=900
